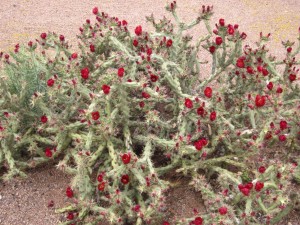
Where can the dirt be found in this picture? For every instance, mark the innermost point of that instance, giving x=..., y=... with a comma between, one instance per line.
x=26, y=201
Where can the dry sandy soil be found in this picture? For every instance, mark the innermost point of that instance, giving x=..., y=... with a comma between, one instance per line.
x=26, y=201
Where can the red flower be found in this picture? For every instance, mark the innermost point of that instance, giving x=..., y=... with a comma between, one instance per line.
x=261, y=169
x=100, y=178
x=165, y=223
x=95, y=115
x=135, y=42
x=219, y=40
x=92, y=48
x=245, y=191
x=201, y=111
x=44, y=119
x=198, y=221
x=48, y=152
x=125, y=179
x=101, y=186
x=283, y=124
x=95, y=10
x=145, y=95
x=198, y=145
x=212, y=49
x=282, y=138
x=292, y=77
x=259, y=185
x=142, y=104
x=69, y=192
x=260, y=101
x=289, y=49
x=74, y=55
x=61, y=37
x=208, y=92
x=124, y=23
x=223, y=210
x=188, y=103
x=126, y=158
x=70, y=216
x=105, y=89
x=138, y=30
x=169, y=43
x=249, y=185
x=149, y=51
x=230, y=30
x=213, y=116
x=270, y=86
x=44, y=36
x=279, y=90
x=50, y=82
x=222, y=22
x=85, y=73
x=250, y=70
x=240, y=62
x=153, y=78
x=265, y=72
x=121, y=72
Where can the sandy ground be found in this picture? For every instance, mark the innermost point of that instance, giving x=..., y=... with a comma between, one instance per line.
x=26, y=201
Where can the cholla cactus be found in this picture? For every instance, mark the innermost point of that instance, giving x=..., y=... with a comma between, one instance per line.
x=109, y=108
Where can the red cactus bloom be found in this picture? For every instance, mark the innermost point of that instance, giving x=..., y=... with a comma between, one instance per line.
x=142, y=104
x=219, y=40
x=223, y=210
x=92, y=48
x=249, y=185
x=292, y=77
x=101, y=186
x=145, y=95
x=74, y=55
x=70, y=216
x=198, y=221
x=169, y=43
x=135, y=42
x=100, y=177
x=282, y=138
x=283, y=124
x=279, y=90
x=138, y=30
x=250, y=70
x=289, y=49
x=48, y=152
x=240, y=63
x=261, y=169
x=265, y=72
x=213, y=116
x=212, y=49
x=259, y=185
x=95, y=115
x=208, y=92
x=50, y=82
x=198, y=145
x=201, y=111
x=105, y=89
x=85, y=73
x=149, y=51
x=188, y=103
x=165, y=223
x=69, y=192
x=222, y=22
x=43, y=36
x=125, y=179
x=260, y=101
x=153, y=78
x=230, y=30
x=126, y=158
x=44, y=119
x=270, y=86
x=95, y=10
x=124, y=23
x=61, y=37
x=121, y=72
